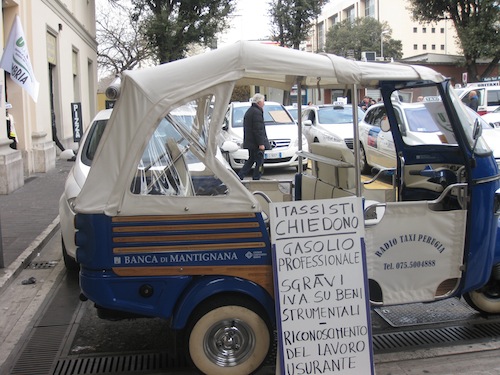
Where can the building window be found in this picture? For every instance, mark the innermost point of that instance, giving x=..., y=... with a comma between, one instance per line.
x=442, y=47
x=424, y=30
x=334, y=19
x=424, y=46
x=351, y=14
x=415, y=47
x=433, y=47
x=442, y=30
x=76, y=78
x=370, y=8
x=414, y=29
x=433, y=30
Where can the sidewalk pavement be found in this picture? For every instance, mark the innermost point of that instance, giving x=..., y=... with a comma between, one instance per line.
x=29, y=217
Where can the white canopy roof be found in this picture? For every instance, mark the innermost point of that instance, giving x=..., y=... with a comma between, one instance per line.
x=148, y=94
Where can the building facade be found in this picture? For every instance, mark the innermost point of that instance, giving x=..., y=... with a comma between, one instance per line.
x=60, y=36
x=416, y=38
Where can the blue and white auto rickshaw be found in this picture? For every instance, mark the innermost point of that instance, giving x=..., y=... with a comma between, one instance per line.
x=174, y=233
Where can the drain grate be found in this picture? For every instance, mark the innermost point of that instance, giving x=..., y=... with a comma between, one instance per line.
x=397, y=341
x=43, y=265
x=40, y=351
x=120, y=364
x=450, y=309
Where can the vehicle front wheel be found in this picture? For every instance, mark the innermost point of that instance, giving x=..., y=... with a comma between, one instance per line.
x=363, y=162
x=485, y=300
x=70, y=263
x=228, y=336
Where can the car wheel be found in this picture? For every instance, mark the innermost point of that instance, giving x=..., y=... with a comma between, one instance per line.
x=485, y=300
x=363, y=162
x=70, y=263
x=228, y=336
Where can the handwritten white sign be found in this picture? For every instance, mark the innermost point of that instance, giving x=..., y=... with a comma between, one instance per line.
x=320, y=287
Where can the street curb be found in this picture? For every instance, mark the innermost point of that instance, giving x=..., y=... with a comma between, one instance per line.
x=23, y=260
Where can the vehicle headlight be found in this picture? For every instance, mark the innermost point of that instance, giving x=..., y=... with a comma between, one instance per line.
x=304, y=142
x=238, y=141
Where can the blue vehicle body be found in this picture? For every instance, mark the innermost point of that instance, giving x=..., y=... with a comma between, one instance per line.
x=175, y=233
x=483, y=183
x=114, y=276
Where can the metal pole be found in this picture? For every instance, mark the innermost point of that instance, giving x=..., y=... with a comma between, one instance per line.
x=382, y=44
x=357, y=157
x=299, y=120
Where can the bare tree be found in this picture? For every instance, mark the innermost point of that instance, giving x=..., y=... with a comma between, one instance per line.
x=121, y=45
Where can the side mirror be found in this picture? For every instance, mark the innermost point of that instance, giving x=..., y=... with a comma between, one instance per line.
x=307, y=123
x=384, y=125
x=476, y=133
x=67, y=154
x=229, y=146
x=478, y=129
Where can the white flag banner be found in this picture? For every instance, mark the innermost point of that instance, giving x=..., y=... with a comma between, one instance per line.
x=16, y=60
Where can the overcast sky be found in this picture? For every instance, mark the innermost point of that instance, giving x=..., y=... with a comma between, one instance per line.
x=251, y=22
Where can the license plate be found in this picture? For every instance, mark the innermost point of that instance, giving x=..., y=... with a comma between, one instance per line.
x=272, y=155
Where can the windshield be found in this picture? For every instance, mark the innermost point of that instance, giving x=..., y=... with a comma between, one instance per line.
x=337, y=115
x=173, y=163
x=467, y=118
x=420, y=120
x=274, y=114
x=92, y=141
x=294, y=112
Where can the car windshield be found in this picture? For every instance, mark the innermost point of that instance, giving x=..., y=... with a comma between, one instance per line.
x=337, y=115
x=420, y=120
x=274, y=114
x=294, y=112
x=92, y=141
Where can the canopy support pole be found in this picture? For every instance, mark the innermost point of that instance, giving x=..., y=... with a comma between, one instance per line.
x=356, y=144
x=299, y=121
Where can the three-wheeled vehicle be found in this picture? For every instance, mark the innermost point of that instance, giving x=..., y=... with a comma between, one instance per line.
x=173, y=233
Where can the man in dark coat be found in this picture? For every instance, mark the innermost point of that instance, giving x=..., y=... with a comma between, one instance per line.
x=254, y=138
x=473, y=100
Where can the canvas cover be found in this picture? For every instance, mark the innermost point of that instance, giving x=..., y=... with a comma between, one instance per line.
x=149, y=94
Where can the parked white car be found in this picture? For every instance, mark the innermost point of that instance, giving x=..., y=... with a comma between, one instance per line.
x=281, y=131
x=329, y=123
x=154, y=154
x=377, y=146
x=417, y=127
x=488, y=94
x=493, y=118
x=293, y=110
x=74, y=182
x=491, y=134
